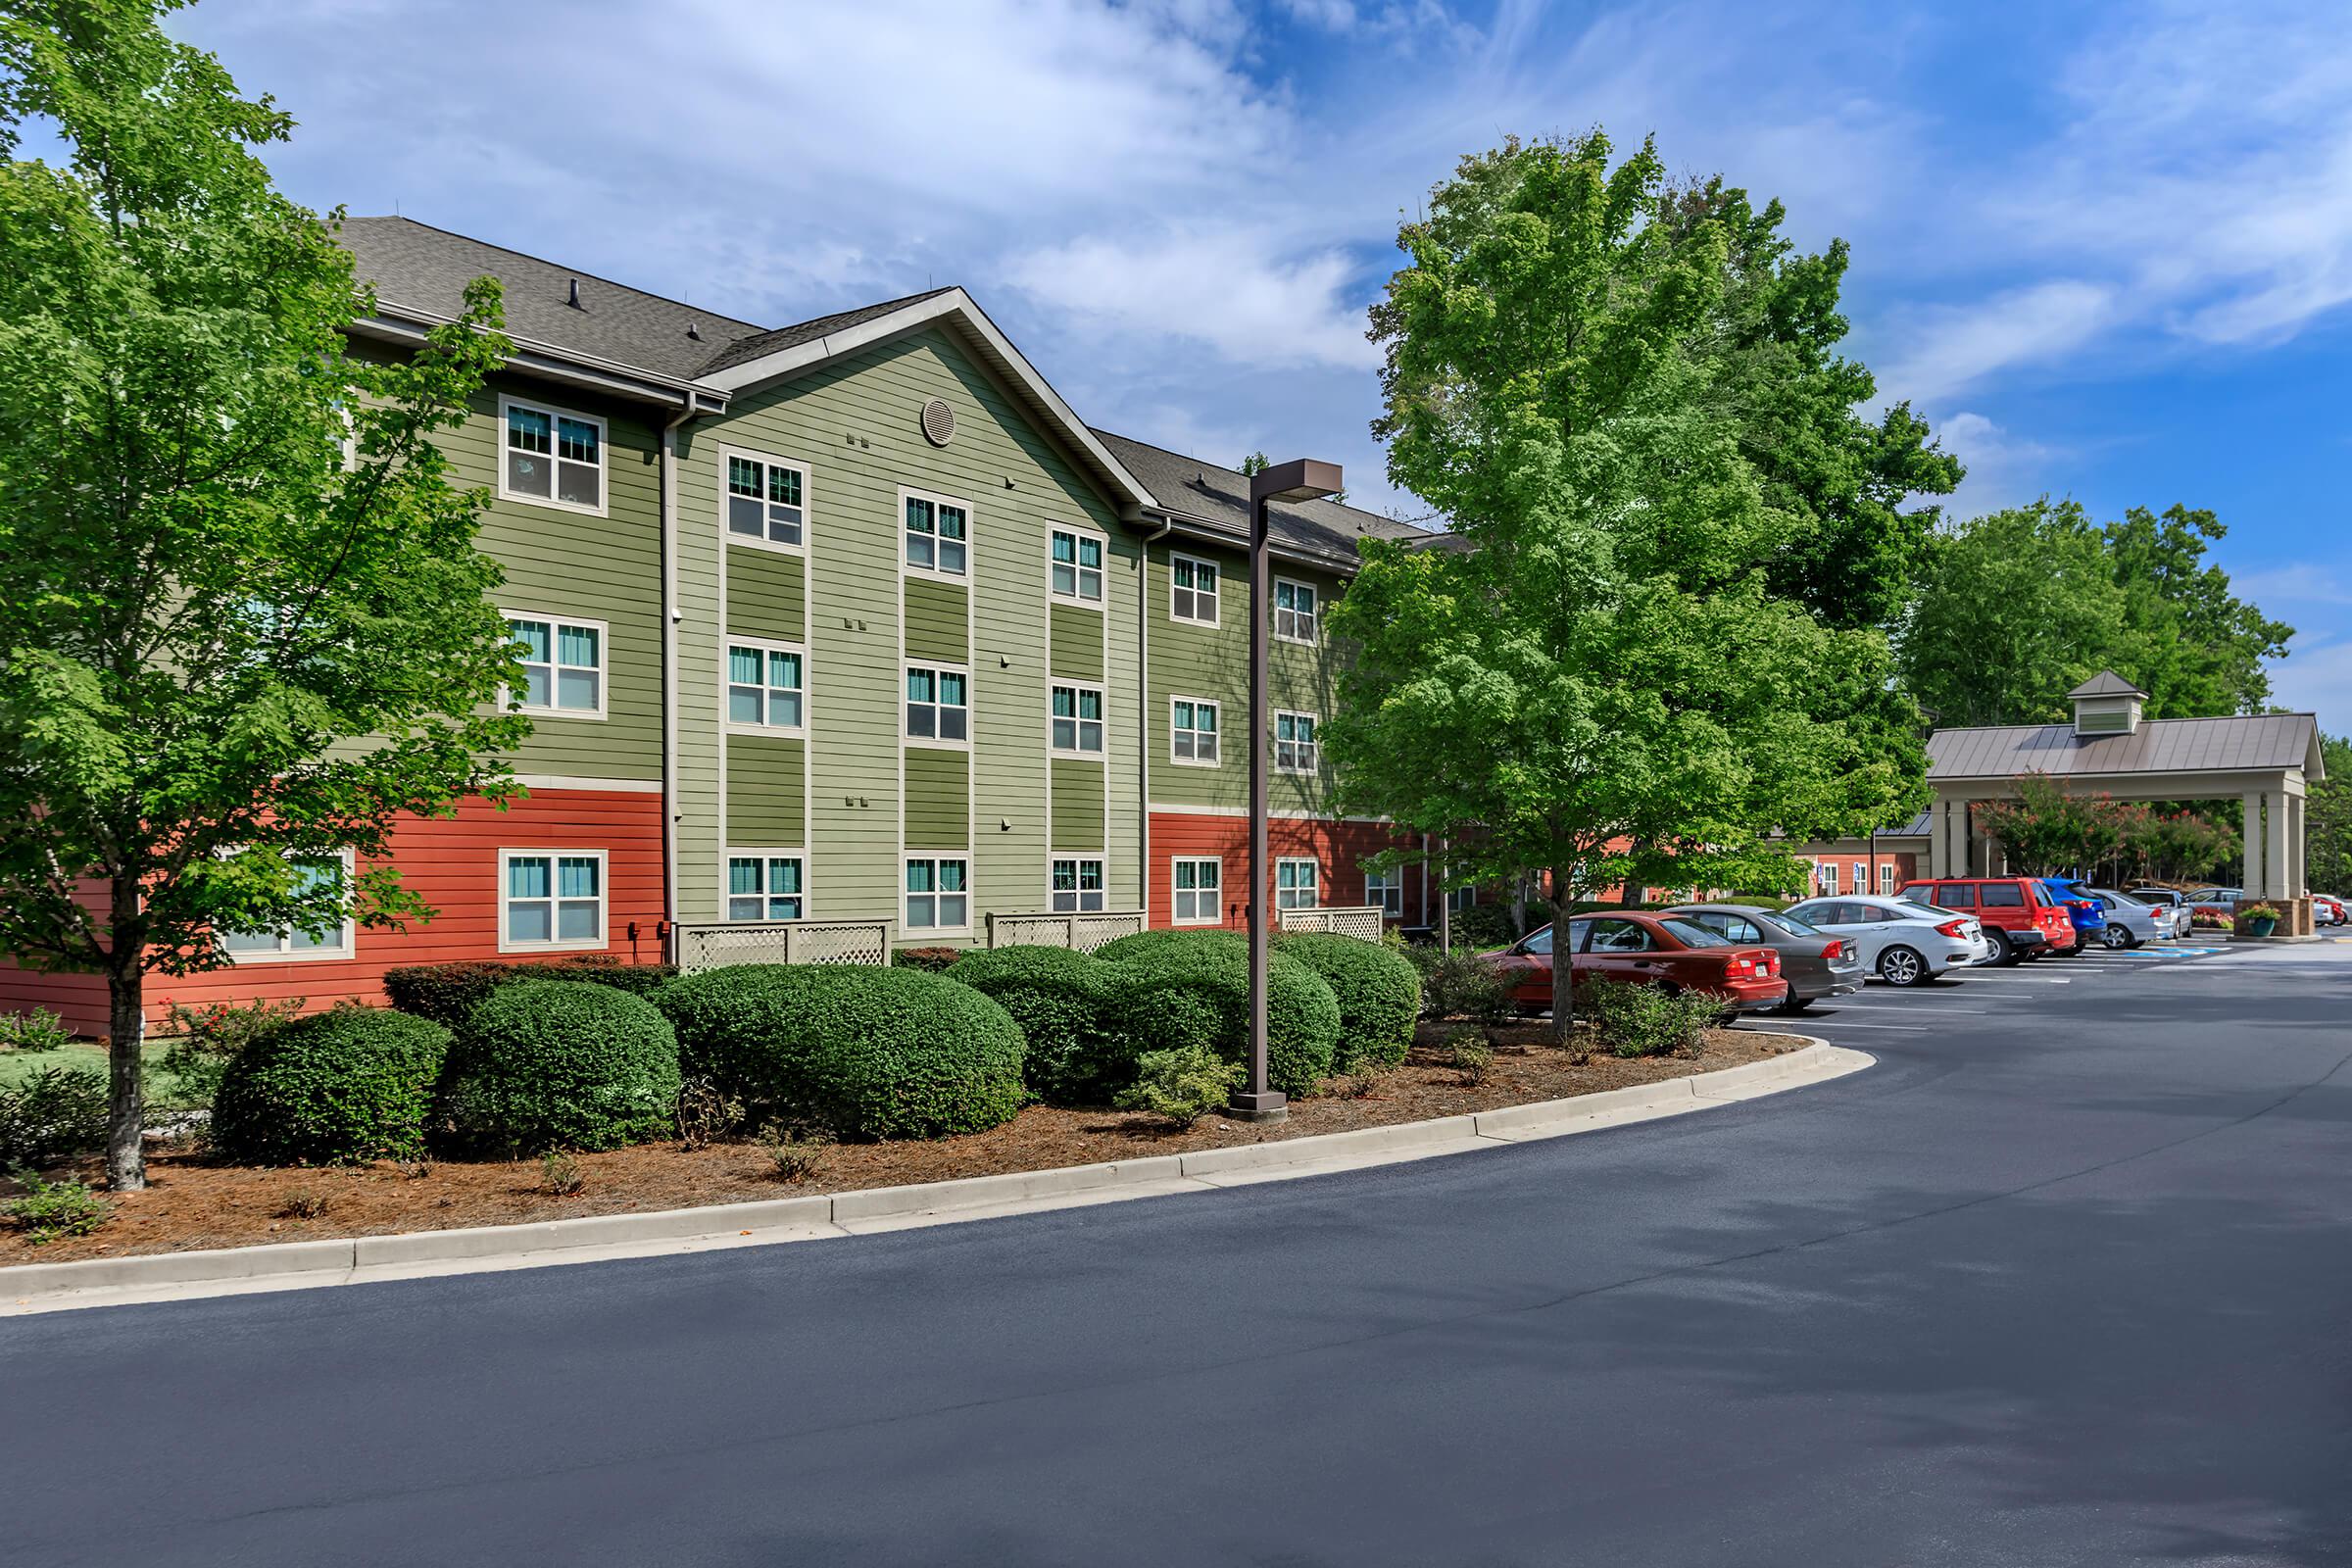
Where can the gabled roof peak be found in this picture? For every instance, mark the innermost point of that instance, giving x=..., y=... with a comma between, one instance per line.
x=2106, y=683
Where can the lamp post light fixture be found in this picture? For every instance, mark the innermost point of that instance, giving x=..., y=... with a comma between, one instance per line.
x=1299, y=479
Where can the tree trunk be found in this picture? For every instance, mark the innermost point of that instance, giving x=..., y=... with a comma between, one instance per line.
x=1563, y=965
x=125, y=999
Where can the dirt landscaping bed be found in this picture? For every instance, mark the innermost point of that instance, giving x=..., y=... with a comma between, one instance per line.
x=193, y=1201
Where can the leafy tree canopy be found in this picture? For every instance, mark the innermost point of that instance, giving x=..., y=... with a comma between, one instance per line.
x=2327, y=821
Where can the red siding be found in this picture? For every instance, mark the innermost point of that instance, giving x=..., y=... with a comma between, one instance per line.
x=1336, y=847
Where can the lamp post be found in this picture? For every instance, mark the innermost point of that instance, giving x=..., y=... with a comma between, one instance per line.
x=1299, y=479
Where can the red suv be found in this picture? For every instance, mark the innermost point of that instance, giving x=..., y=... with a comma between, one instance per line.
x=2019, y=917
x=1664, y=951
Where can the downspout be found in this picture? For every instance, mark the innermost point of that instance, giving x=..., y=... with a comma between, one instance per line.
x=670, y=615
x=1142, y=686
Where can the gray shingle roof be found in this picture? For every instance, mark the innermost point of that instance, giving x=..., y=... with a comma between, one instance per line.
x=427, y=268
x=745, y=349
x=2159, y=746
x=2106, y=683
x=1221, y=495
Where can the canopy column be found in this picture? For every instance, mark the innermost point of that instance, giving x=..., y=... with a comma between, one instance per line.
x=2252, y=839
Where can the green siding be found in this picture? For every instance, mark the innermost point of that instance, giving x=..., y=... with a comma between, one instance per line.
x=1077, y=806
x=939, y=800
x=767, y=796
x=937, y=621
x=1077, y=643
x=767, y=594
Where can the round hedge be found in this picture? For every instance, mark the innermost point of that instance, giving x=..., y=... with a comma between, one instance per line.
x=1175, y=995
x=862, y=1051
x=1145, y=943
x=1378, y=993
x=353, y=1084
x=560, y=1064
x=1059, y=999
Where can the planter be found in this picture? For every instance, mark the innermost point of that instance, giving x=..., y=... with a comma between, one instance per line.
x=2259, y=929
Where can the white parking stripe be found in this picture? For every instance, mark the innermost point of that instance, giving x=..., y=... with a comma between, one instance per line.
x=1855, y=1023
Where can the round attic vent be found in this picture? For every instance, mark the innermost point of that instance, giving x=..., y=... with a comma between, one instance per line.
x=939, y=423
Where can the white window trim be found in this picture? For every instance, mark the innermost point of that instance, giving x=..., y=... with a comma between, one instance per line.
x=1216, y=915
x=1101, y=860
x=1887, y=881
x=1297, y=860
x=1210, y=625
x=604, y=458
x=906, y=927
x=1077, y=600
x=604, y=899
x=1074, y=755
x=1274, y=747
x=344, y=951
x=740, y=852
x=729, y=536
x=1274, y=610
x=1195, y=761
x=767, y=646
x=1386, y=881
x=932, y=742
x=603, y=667
x=972, y=527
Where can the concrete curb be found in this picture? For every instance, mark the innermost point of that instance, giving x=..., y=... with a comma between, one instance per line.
x=299, y=1265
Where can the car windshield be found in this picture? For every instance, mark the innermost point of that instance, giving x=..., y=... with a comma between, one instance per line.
x=1796, y=925
x=1693, y=934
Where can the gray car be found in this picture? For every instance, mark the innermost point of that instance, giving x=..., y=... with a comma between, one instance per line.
x=1805, y=960
x=2131, y=921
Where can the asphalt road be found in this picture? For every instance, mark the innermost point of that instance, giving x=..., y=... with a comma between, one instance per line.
x=2065, y=1279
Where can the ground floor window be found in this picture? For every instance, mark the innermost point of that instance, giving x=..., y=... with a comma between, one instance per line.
x=1886, y=881
x=1386, y=891
x=766, y=887
x=1077, y=886
x=1294, y=885
x=938, y=897
x=1199, y=890
x=336, y=942
x=552, y=899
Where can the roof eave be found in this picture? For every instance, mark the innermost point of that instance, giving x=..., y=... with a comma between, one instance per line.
x=408, y=325
x=1192, y=525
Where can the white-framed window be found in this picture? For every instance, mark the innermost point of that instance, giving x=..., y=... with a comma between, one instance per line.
x=1886, y=881
x=1193, y=731
x=1076, y=885
x=1192, y=590
x=563, y=665
x=1462, y=899
x=1294, y=884
x=1197, y=881
x=766, y=502
x=767, y=686
x=1861, y=876
x=767, y=885
x=1293, y=742
x=1076, y=723
x=550, y=898
x=1384, y=890
x=938, y=893
x=1294, y=611
x=938, y=536
x=939, y=704
x=1829, y=877
x=551, y=457
x=288, y=945
x=1076, y=573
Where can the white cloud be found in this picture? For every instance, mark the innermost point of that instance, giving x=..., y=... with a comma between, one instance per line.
x=1949, y=348
x=2301, y=582
x=2315, y=677
x=2004, y=469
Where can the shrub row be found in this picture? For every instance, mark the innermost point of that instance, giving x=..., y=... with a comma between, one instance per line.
x=448, y=993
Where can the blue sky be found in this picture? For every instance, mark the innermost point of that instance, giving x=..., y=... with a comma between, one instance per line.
x=2107, y=250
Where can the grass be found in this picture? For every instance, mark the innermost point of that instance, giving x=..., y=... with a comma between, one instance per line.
x=163, y=1088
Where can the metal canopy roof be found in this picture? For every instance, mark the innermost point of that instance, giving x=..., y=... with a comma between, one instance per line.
x=2241, y=743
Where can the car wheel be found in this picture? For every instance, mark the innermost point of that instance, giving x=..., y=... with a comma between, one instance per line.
x=2004, y=951
x=1900, y=967
x=1796, y=1003
x=2118, y=939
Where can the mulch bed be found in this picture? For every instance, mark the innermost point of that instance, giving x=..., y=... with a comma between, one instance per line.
x=194, y=1201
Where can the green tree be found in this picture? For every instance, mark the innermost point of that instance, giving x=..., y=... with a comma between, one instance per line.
x=2327, y=820
x=1593, y=678
x=2196, y=647
x=242, y=616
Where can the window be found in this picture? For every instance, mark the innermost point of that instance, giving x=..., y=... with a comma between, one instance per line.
x=1861, y=876
x=563, y=665
x=1193, y=731
x=1952, y=896
x=936, y=899
x=1294, y=611
x=1886, y=881
x=1198, y=887
x=550, y=899
x=1077, y=725
x=1616, y=936
x=2003, y=895
x=766, y=687
x=1461, y=899
x=1386, y=890
x=1077, y=886
x=552, y=458
x=1192, y=590
x=1294, y=883
x=1293, y=742
x=289, y=943
x=939, y=705
x=765, y=501
x=1539, y=942
x=1077, y=572
x=765, y=887
x=937, y=536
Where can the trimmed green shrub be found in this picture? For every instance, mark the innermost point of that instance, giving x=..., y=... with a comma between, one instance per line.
x=560, y=1064
x=1484, y=926
x=353, y=1084
x=1637, y=1020
x=1463, y=984
x=861, y=1051
x=935, y=960
x=448, y=993
x=211, y=1037
x=52, y=1114
x=49, y=1212
x=1378, y=990
x=1146, y=943
x=1059, y=999
x=1184, y=994
x=1182, y=1085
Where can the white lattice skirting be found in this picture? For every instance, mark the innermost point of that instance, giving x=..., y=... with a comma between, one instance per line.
x=712, y=947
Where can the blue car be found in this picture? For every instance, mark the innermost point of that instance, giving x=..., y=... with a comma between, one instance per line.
x=2088, y=913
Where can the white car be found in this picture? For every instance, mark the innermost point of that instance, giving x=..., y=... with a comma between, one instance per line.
x=1904, y=943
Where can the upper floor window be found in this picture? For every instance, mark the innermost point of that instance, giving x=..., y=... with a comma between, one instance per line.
x=938, y=536
x=563, y=665
x=1293, y=742
x=550, y=899
x=1077, y=886
x=1193, y=731
x=1077, y=728
x=766, y=686
x=1077, y=574
x=290, y=943
x=1294, y=611
x=765, y=887
x=939, y=704
x=765, y=501
x=551, y=458
x=1192, y=590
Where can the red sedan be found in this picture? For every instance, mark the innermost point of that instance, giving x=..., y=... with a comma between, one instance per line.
x=1640, y=948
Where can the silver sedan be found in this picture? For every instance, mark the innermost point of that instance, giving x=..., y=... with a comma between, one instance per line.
x=2131, y=921
x=1903, y=942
